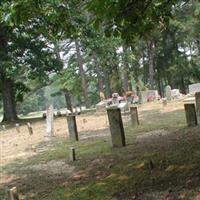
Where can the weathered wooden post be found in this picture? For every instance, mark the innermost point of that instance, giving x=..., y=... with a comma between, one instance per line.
x=13, y=194
x=72, y=154
x=17, y=128
x=72, y=127
x=30, y=129
x=4, y=127
x=134, y=116
x=197, y=100
x=116, y=126
x=190, y=113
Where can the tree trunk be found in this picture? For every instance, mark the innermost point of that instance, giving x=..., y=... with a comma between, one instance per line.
x=99, y=78
x=8, y=96
x=151, y=48
x=68, y=100
x=125, y=78
x=108, y=90
x=82, y=74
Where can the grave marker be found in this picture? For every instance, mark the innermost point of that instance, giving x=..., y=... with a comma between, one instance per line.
x=168, y=92
x=190, y=113
x=13, y=194
x=49, y=121
x=116, y=126
x=197, y=100
x=134, y=116
x=72, y=127
x=194, y=88
x=30, y=129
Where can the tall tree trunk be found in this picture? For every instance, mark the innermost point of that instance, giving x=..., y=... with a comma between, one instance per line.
x=99, y=78
x=108, y=90
x=151, y=49
x=125, y=80
x=82, y=74
x=125, y=77
x=8, y=96
x=198, y=46
x=68, y=100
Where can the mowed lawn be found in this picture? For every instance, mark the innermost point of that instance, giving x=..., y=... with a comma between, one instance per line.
x=160, y=161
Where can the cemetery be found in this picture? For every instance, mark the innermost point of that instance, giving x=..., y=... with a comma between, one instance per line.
x=99, y=100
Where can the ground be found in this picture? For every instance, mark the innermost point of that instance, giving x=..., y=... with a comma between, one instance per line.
x=160, y=161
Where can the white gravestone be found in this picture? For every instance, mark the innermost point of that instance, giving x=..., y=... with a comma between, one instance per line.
x=49, y=120
x=194, y=88
x=168, y=92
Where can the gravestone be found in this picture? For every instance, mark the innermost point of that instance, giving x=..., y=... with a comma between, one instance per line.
x=17, y=128
x=175, y=93
x=142, y=97
x=168, y=92
x=190, y=113
x=13, y=194
x=153, y=94
x=197, y=100
x=194, y=88
x=116, y=126
x=123, y=106
x=72, y=127
x=49, y=121
x=134, y=116
x=30, y=129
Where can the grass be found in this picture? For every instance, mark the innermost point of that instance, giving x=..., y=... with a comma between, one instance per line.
x=105, y=173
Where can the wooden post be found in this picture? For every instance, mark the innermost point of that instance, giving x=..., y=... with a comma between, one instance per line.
x=4, y=127
x=13, y=194
x=190, y=113
x=72, y=127
x=72, y=154
x=17, y=128
x=197, y=100
x=116, y=127
x=134, y=116
x=30, y=129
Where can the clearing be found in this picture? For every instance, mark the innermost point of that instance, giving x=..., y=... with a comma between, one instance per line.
x=161, y=159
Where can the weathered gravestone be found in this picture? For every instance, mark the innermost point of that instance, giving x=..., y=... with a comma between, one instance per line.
x=190, y=113
x=175, y=93
x=116, y=126
x=168, y=93
x=134, y=116
x=72, y=127
x=197, y=100
x=194, y=88
x=13, y=194
x=30, y=129
x=49, y=121
x=152, y=94
x=142, y=97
